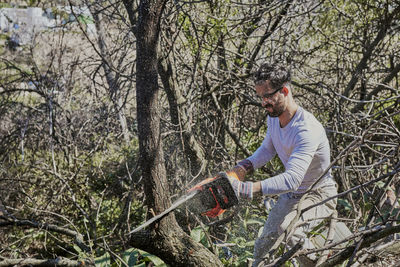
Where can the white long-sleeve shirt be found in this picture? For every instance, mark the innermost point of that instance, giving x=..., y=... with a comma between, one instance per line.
x=303, y=148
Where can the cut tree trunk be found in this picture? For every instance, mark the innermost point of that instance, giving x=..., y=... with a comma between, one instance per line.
x=165, y=238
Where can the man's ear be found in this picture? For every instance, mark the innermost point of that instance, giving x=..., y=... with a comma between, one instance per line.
x=285, y=90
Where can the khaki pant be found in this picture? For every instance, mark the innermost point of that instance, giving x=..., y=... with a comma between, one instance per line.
x=285, y=211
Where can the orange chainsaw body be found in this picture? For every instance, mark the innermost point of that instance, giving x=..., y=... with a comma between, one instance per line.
x=214, y=197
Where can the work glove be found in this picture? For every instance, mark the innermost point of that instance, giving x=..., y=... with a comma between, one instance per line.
x=242, y=189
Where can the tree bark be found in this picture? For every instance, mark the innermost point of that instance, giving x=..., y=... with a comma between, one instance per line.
x=165, y=238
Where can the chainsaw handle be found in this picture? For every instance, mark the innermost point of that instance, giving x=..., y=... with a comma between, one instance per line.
x=199, y=186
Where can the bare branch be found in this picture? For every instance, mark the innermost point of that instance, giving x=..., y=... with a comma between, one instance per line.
x=47, y=227
x=368, y=240
x=59, y=261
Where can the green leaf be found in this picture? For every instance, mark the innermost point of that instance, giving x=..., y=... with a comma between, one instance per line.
x=255, y=221
x=130, y=256
x=345, y=203
x=260, y=231
x=250, y=243
x=196, y=234
x=240, y=241
x=152, y=258
x=368, y=206
x=78, y=249
x=103, y=261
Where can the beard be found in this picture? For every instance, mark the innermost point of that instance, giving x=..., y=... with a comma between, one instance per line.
x=277, y=110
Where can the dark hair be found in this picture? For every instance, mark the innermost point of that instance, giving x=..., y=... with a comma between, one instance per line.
x=275, y=73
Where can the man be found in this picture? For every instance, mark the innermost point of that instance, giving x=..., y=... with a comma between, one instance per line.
x=300, y=141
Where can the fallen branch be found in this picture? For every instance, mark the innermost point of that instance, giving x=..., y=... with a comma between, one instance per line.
x=60, y=261
x=368, y=240
x=48, y=227
x=370, y=236
x=287, y=256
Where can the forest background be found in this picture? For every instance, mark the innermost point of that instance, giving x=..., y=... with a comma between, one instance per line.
x=101, y=131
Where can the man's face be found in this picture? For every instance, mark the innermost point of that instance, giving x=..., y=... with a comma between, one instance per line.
x=272, y=100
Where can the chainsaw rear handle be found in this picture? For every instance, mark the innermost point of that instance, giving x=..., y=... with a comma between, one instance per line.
x=200, y=186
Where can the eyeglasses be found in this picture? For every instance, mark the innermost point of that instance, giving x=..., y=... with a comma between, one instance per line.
x=269, y=95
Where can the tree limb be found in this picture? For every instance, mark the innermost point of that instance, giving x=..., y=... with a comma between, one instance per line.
x=378, y=89
x=368, y=240
x=59, y=261
x=48, y=227
x=368, y=53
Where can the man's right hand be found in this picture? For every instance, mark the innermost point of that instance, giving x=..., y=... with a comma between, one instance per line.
x=242, y=168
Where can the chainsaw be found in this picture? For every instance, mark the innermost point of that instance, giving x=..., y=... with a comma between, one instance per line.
x=210, y=198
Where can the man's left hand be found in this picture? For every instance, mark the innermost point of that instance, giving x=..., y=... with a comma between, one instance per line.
x=242, y=189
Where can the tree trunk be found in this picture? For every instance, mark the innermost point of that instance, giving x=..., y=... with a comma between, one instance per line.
x=165, y=238
x=181, y=119
x=111, y=76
